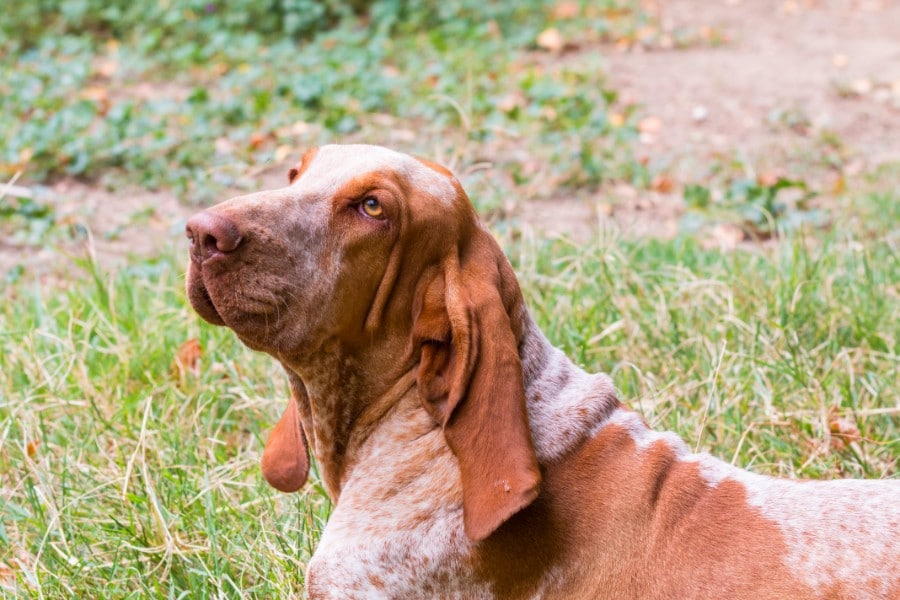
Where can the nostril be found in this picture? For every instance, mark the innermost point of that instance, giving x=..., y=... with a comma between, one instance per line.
x=211, y=244
x=212, y=234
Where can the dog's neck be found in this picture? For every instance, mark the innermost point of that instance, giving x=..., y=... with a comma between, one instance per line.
x=342, y=406
x=342, y=399
x=565, y=404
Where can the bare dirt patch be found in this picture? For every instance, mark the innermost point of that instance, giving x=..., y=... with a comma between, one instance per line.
x=109, y=225
x=808, y=89
x=792, y=70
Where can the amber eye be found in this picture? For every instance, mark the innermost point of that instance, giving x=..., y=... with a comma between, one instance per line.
x=372, y=207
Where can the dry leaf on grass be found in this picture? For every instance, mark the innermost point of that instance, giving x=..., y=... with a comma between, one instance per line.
x=566, y=10
x=257, y=139
x=843, y=432
x=662, y=183
x=551, y=40
x=32, y=447
x=724, y=236
x=187, y=359
x=649, y=125
x=7, y=576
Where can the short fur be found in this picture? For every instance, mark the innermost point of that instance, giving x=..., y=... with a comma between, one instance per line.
x=467, y=457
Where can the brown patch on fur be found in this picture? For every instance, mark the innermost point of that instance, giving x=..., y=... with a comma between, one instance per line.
x=301, y=167
x=614, y=521
x=470, y=381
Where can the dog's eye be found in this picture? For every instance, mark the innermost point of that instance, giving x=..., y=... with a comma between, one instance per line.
x=372, y=207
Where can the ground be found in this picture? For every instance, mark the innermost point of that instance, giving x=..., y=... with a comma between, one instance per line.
x=788, y=80
x=699, y=198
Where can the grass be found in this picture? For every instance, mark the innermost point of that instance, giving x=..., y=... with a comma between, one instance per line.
x=123, y=475
x=222, y=96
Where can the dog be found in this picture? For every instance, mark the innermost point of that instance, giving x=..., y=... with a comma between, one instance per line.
x=465, y=455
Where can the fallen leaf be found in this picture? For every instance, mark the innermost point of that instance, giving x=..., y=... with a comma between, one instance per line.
x=223, y=146
x=724, y=236
x=187, y=359
x=662, y=183
x=649, y=125
x=7, y=576
x=282, y=152
x=106, y=67
x=839, y=185
x=861, y=86
x=300, y=128
x=566, y=10
x=32, y=447
x=767, y=178
x=551, y=40
x=510, y=102
x=843, y=432
x=257, y=139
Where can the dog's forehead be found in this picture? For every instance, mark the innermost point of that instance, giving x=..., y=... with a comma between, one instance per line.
x=332, y=166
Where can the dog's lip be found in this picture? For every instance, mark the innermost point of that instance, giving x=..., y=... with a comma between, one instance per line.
x=202, y=301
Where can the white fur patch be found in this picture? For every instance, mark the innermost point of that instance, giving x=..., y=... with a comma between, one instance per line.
x=564, y=402
x=397, y=530
x=836, y=531
x=643, y=436
x=334, y=165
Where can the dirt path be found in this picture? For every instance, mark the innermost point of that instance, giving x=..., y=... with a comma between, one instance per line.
x=796, y=81
x=790, y=71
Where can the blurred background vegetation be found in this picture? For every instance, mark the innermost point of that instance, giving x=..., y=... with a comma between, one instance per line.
x=94, y=89
x=762, y=325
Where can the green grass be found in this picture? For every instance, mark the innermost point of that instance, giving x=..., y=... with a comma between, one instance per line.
x=122, y=477
x=189, y=97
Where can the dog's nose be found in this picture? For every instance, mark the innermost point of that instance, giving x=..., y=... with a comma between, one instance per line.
x=211, y=234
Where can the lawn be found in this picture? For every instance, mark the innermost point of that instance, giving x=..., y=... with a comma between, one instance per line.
x=130, y=431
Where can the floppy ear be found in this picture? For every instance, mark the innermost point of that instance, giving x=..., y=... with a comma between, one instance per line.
x=470, y=380
x=285, y=459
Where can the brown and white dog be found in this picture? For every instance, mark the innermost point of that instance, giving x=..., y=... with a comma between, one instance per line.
x=465, y=455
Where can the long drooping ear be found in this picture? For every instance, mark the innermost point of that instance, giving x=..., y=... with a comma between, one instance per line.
x=470, y=380
x=285, y=459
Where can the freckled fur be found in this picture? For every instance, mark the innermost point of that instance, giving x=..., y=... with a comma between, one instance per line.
x=378, y=325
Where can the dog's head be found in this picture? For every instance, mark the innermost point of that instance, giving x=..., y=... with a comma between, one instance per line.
x=369, y=250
